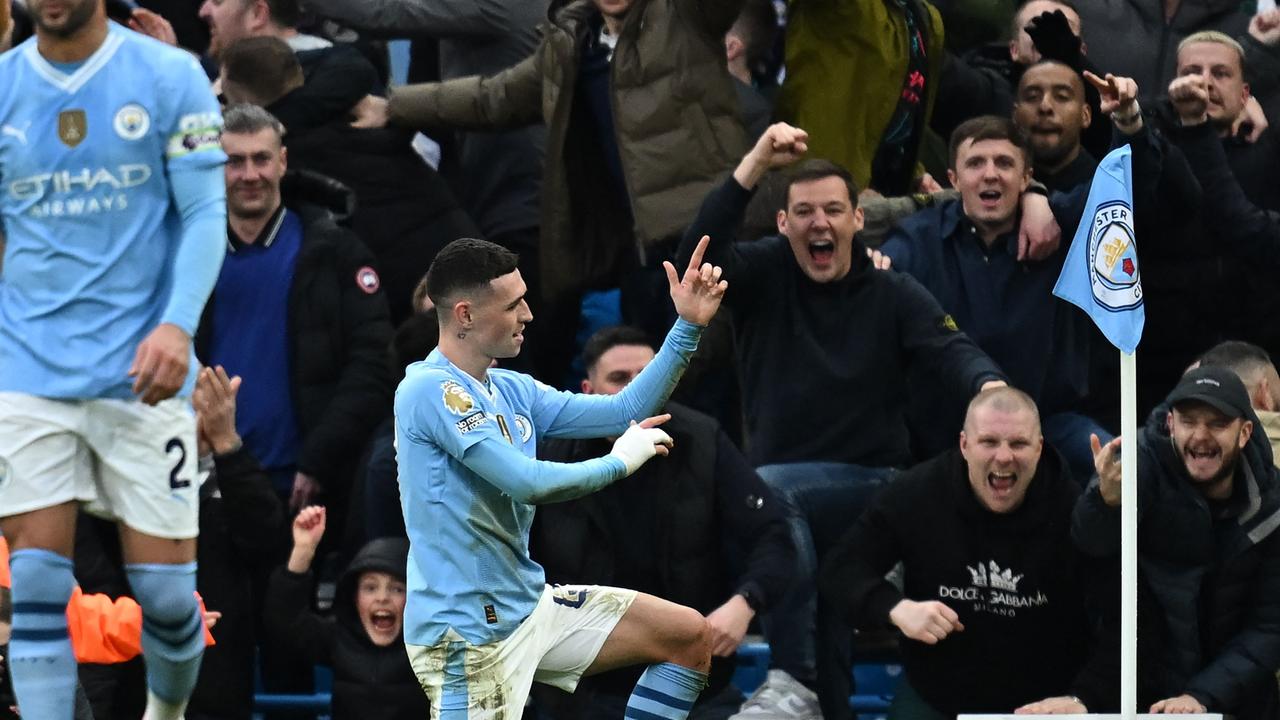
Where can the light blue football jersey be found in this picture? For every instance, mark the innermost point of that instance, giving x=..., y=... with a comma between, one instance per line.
x=469, y=573
x=87, y=207
x=470, y=568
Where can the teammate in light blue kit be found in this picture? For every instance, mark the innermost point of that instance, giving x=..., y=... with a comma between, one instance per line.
x=480, y=623
x=113, y=207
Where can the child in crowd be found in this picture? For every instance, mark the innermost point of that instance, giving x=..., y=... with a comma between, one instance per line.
x=364, y=641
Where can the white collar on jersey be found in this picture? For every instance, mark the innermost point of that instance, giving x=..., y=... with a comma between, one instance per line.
x=73, y=82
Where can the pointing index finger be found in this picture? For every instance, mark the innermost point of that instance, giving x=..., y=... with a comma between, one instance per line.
x=1096, y=81
x=695, y=262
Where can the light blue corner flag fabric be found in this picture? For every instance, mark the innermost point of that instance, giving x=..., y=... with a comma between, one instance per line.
x=1100, y=274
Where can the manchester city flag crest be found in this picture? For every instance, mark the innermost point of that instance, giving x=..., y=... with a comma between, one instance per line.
x=1100, y=274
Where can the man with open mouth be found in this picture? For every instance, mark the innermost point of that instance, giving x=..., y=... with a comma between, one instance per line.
x=1208, y=550
x=990, y=578
x=826, y=341
x=965, y=252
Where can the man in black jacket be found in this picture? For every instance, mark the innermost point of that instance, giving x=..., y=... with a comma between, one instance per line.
x=1245, y=232
x=826, y=342
x=984, y=81
x=697, y=527
x=298, y=313
x=404, y=210
x=991, y=608
x=1208, y=554
x=1219, y=60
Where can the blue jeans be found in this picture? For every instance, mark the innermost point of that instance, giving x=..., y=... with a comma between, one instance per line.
x=820, y=501
x=1069, y=433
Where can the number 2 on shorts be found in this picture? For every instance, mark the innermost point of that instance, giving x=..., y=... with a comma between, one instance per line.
x=175, y=483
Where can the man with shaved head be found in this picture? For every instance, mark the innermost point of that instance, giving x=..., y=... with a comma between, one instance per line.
x=990, y=578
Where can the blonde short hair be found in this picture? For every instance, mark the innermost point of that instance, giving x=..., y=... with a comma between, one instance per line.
x=1213, y=36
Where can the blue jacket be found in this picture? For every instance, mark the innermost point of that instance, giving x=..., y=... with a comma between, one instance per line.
x=1006, y=306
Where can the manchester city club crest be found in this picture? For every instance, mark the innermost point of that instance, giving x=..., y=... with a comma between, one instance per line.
x=132, y=122
x=524, y=427
x=1113, y=258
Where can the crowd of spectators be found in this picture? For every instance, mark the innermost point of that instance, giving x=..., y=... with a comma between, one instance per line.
x=890, y=187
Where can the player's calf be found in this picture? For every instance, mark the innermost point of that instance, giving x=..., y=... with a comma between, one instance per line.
x=172, y=634
x=41, y=661
x=669, y=689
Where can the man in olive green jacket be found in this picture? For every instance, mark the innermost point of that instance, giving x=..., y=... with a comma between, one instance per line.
x=642, y=121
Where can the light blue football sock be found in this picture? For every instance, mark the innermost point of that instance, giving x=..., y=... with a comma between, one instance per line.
x=665, y=692
x=41, y=660
x=172, y=628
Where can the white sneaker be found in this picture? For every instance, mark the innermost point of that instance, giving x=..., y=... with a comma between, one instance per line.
x=780, y=697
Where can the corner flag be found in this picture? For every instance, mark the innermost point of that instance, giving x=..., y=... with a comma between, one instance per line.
x=1100, y=274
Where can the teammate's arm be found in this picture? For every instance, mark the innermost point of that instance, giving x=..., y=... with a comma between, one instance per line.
x=193, y=160
x=160, y=366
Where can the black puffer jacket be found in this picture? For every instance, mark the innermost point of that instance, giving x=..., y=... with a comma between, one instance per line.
x=369, y=682
x=339, y=330
x=404, y=211
x=1211, y=589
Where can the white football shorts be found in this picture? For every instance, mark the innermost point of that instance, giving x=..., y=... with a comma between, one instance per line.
x=123, y=459
x=554, y=645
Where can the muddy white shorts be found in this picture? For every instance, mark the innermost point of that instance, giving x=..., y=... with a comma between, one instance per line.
x=554, y=645
x=123, y=459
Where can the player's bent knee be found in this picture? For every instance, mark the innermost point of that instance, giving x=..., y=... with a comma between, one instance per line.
x=693, y=649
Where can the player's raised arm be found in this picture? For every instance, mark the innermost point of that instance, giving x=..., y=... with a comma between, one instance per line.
x=722, y=210
x=696, y=295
